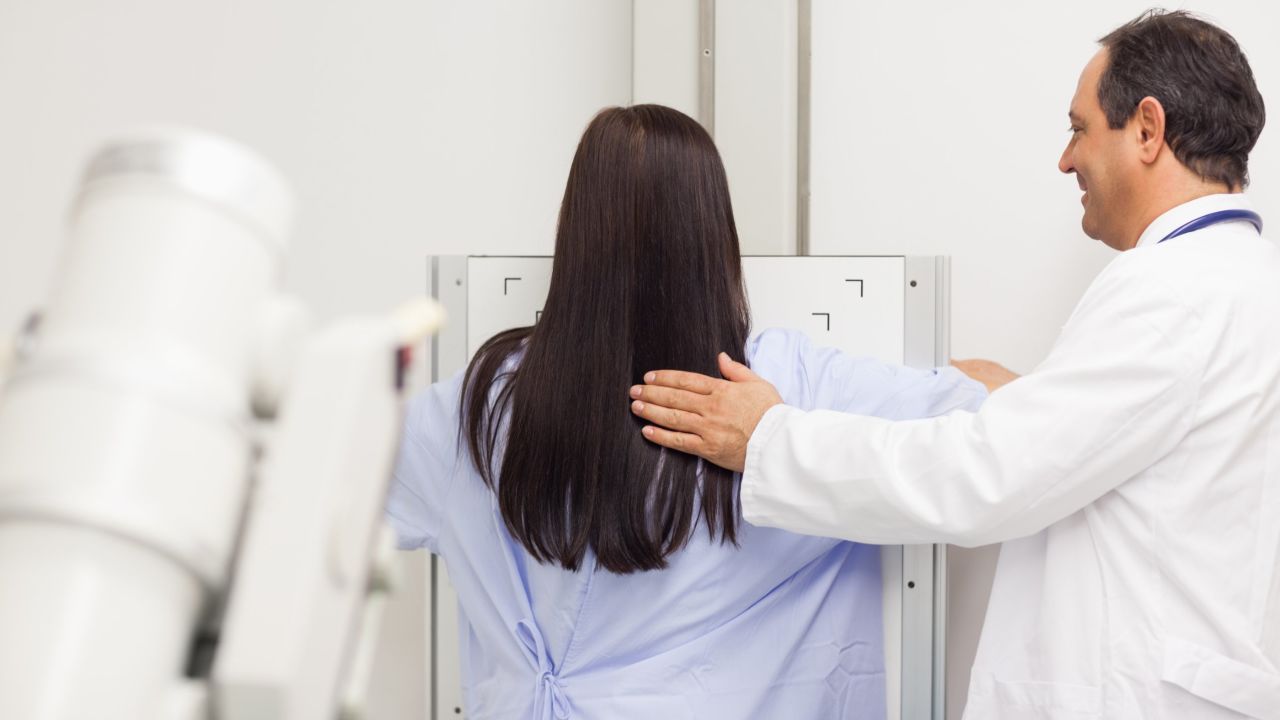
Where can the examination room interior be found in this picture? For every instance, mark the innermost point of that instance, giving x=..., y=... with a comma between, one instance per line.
x=416, y=129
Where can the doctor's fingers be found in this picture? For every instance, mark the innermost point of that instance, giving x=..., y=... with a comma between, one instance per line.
x=708, y=449
x=669, y=418
x=681, y=380
x=672, y=398
x=684, y=442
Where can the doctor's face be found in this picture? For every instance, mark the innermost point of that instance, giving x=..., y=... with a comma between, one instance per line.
x=1096, y=155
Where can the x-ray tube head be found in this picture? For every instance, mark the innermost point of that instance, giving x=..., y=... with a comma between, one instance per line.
x=123, y=427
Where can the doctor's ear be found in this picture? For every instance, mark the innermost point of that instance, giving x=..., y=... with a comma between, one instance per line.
x=1149, y=127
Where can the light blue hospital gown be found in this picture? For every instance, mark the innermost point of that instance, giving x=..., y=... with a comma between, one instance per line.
x=783, y=626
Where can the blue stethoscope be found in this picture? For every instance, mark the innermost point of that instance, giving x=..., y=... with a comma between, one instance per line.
x=1214, y=218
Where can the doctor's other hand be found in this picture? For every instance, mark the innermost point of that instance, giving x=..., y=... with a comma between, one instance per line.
x=992, y=374
x=705, y=416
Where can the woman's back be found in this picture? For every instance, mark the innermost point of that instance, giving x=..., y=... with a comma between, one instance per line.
x=780, y=625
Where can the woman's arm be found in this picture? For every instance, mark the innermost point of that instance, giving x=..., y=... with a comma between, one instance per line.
x=426, y=466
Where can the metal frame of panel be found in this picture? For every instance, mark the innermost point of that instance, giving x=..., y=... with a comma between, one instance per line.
x=920, y=569
x=804, y=109
x=928, y=339
x=448, y=286
x=707, y=65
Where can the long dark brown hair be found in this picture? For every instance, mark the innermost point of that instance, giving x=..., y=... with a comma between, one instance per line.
x=647, y=274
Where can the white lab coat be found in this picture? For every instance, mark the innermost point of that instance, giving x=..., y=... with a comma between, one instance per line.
x=1134, y=478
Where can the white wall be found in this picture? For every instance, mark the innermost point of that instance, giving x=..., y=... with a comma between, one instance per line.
x=406, y=128
x=938, y=130
x=755, y=118
x=666, y=54
x=935, y=129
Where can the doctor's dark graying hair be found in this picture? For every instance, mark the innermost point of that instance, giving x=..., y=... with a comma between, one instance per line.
x=647, y=275
x=1213, y=111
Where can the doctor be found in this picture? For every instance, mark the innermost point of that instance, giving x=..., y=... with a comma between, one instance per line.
x=1134, y=476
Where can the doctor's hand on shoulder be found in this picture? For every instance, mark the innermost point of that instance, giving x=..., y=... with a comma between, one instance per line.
x=705, y=416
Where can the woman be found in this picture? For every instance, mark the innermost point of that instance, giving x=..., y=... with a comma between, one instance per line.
x=599, y=576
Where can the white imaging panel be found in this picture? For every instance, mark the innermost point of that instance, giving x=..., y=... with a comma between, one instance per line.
x=853, y=303
x=890, y=308
x=503, y=293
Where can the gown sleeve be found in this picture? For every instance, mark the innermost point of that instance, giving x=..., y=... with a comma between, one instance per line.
x=811, y=377
x=426, y=466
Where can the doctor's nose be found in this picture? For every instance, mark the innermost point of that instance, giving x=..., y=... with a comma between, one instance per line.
x=1065, y=163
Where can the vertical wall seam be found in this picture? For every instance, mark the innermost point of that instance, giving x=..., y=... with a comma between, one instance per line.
x=631, y=95
x=804, y=68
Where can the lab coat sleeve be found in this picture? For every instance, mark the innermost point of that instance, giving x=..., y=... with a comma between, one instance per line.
x=1116, y=393
x=426, y=466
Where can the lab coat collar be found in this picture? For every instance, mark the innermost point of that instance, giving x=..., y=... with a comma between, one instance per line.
x=1186, y=212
